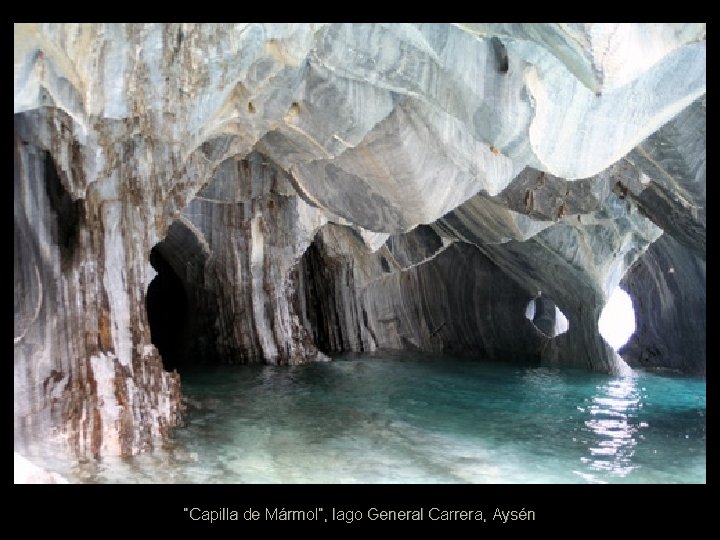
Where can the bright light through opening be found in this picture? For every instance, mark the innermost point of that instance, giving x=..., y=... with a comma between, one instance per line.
x=617, y=320
x=562, y=325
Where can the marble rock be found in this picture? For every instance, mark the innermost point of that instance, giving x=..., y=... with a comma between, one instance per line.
x=274, y=193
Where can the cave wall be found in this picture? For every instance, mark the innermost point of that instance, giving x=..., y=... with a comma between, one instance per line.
x=575, y=250
x=328, y=302
x=85, y=376
x=668, y=289
x=671, y=189
x=413, y=293
x=459, y=302
x=668, y=283
x=552, y=155
x=245, y=229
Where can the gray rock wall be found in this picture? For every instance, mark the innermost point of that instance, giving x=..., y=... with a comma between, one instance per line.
x=549, y=156
x=86, y=373
x=668, y=289
x=233, y=248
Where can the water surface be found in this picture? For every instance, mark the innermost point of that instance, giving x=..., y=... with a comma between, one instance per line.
x=405, y=418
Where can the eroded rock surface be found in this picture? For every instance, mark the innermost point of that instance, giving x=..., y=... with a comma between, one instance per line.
x=668, y=289
x=275, y=192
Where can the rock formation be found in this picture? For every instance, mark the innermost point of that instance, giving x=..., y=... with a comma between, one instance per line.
x=667, y=286
x=188, y=193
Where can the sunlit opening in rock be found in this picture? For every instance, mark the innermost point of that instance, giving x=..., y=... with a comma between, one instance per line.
x=546, y=316
x=562, y=325
x=617, y=320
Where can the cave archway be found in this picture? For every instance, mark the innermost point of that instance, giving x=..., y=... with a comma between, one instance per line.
x=177, y=299
x=546, y=316
x=167, y=310
x=317, y=299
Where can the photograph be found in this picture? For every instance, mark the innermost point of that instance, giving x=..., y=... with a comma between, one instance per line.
x=360, y=256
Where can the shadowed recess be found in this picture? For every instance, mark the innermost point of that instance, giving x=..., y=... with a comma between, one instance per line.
x=167, y=312
x=68, y=213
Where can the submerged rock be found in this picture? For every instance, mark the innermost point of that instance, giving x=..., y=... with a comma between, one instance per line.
x=190, y=193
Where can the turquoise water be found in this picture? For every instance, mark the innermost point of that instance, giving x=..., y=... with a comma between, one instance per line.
x=404, y=418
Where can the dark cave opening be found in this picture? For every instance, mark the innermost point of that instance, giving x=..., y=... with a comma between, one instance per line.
x=455, y=301
x=188, y=323
x=327, y=299
x=167, y=310
x=68, y=212
x=319, y=313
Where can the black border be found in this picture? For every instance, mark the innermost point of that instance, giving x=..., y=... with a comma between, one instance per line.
x=86, y=510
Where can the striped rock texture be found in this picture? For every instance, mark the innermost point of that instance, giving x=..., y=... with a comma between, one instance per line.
x=188, y=193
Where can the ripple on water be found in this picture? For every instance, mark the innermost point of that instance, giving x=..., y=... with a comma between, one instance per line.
x=424, y=419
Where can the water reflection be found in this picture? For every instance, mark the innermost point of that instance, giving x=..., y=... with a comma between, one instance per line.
x=613, y=425
x=368, y=420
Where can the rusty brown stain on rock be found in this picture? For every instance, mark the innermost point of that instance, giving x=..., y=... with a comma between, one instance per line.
x=93, y=420
x=561, y=211
x=97, y=436
x=104, y=331
x=125, y=427
x=133, y=192
x=55, y=376
x=80, y=413
x=121, y=394
x=620, y=190
x=529, y=201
